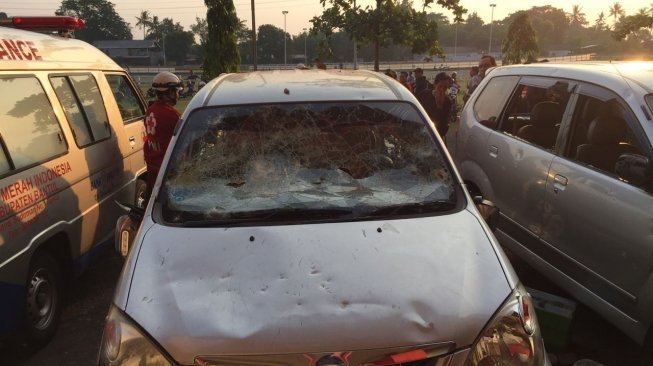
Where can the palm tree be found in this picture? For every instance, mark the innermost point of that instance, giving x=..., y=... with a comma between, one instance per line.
x=600, y=22
x=616, y=10
x=577, y=16
x=143, y=21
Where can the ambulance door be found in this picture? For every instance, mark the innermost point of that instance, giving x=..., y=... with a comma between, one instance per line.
x=128, y=121
x=97, y=154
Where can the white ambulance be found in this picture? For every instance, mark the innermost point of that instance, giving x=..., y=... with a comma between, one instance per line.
x=71, y=126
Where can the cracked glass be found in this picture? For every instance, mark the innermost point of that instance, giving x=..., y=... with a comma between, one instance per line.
x=305, y=161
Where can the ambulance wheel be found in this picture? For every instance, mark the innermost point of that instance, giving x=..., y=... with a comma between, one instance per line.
x=140, y=199
x=44, y=301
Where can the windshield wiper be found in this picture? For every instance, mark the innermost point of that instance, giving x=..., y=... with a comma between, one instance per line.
x=197, y=219
x=410, y=208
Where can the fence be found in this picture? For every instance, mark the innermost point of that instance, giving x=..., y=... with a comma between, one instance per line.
x=144, y=74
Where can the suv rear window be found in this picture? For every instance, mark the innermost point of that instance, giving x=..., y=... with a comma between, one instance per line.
x=305, y=161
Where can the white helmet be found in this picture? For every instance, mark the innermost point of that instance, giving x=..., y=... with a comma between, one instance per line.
x=165, y=81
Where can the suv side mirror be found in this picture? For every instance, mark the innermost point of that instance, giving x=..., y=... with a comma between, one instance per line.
x=488, y=211
x=126, y=228
x=634, y=168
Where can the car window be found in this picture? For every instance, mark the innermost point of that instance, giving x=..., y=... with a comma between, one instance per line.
x=126, y=97
x=81, y=100
x=493, y=97
x=602, y=129
x=29, y=130
x=303, y=161
x=535, y=110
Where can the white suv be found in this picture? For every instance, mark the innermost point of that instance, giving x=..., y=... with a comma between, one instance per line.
x=564, y=151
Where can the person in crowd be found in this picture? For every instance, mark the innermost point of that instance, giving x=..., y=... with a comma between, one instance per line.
x=403, y=79
x=437, y=103
x=452, y=93
x=391, y=73
x=485, y=63
x=160, y=120
x=411, y=79
x=421, y=83
x=192, y=79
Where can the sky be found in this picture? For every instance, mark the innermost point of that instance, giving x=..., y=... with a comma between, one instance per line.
x=301, y=11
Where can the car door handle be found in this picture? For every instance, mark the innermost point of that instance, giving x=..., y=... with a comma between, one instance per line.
x=559, y=183
x=494, y=151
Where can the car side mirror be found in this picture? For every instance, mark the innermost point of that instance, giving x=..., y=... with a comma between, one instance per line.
x=126, y=227
x=488, y=211
x=635, y=169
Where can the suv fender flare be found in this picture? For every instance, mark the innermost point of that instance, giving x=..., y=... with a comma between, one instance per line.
x=474, y=176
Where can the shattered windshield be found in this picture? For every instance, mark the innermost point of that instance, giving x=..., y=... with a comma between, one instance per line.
x=308, y=161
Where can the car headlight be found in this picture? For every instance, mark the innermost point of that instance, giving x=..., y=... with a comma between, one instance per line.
x=125, y=344
x=512, y=337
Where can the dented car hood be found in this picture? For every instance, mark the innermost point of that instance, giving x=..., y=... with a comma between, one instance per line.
x=316, y=287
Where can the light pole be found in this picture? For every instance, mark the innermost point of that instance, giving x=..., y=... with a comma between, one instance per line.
x=305, y=54
x=489, y=52
x=455, y=44
x=284, y=36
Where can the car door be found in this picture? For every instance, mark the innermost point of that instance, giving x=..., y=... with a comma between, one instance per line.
x=520, y=152
x=597, y=223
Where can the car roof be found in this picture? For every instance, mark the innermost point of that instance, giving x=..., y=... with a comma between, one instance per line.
x=639, y=72
x=27, y=50
x=283, y=86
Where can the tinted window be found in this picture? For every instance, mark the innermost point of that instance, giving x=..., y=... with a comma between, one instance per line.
x=490, y=102
x=29, y=131
x=535, y=110
x=303, y=161
x=126, y=97
x=81, y=100
x=602, y=129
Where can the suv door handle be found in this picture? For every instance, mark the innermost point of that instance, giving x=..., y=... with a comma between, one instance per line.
x=494, y=151
x=559, y=183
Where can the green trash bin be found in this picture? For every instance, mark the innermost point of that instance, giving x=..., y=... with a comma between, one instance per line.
x=554, y=313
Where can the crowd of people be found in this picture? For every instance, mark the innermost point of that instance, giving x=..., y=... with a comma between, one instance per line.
x=440, y=97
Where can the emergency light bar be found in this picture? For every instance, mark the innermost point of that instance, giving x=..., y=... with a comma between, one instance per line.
x=44, y=23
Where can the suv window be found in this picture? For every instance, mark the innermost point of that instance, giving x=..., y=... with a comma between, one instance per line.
x=535, y=111
x=29, y=130
x=602, y=128
x=490, y=102
x=126, y=97
x=81, y=100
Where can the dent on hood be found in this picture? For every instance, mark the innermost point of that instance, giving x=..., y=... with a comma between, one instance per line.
x=308, y=288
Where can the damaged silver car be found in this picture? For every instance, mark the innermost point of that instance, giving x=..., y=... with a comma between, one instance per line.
x=313, y=218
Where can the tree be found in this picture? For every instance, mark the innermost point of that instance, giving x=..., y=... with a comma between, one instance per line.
x=631, y=24
x=550, y=24
x=600, y=23
x=577, y=17
x=616, y=11
x=388, y=23
x=520, y=44
x=221, y=50
x=270, y=44
x=200, y=29
x=143, y=20
x=102, y=21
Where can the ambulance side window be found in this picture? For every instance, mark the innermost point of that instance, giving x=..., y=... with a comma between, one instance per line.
x=29, y=131
x=130, y=106
x=81, y=100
